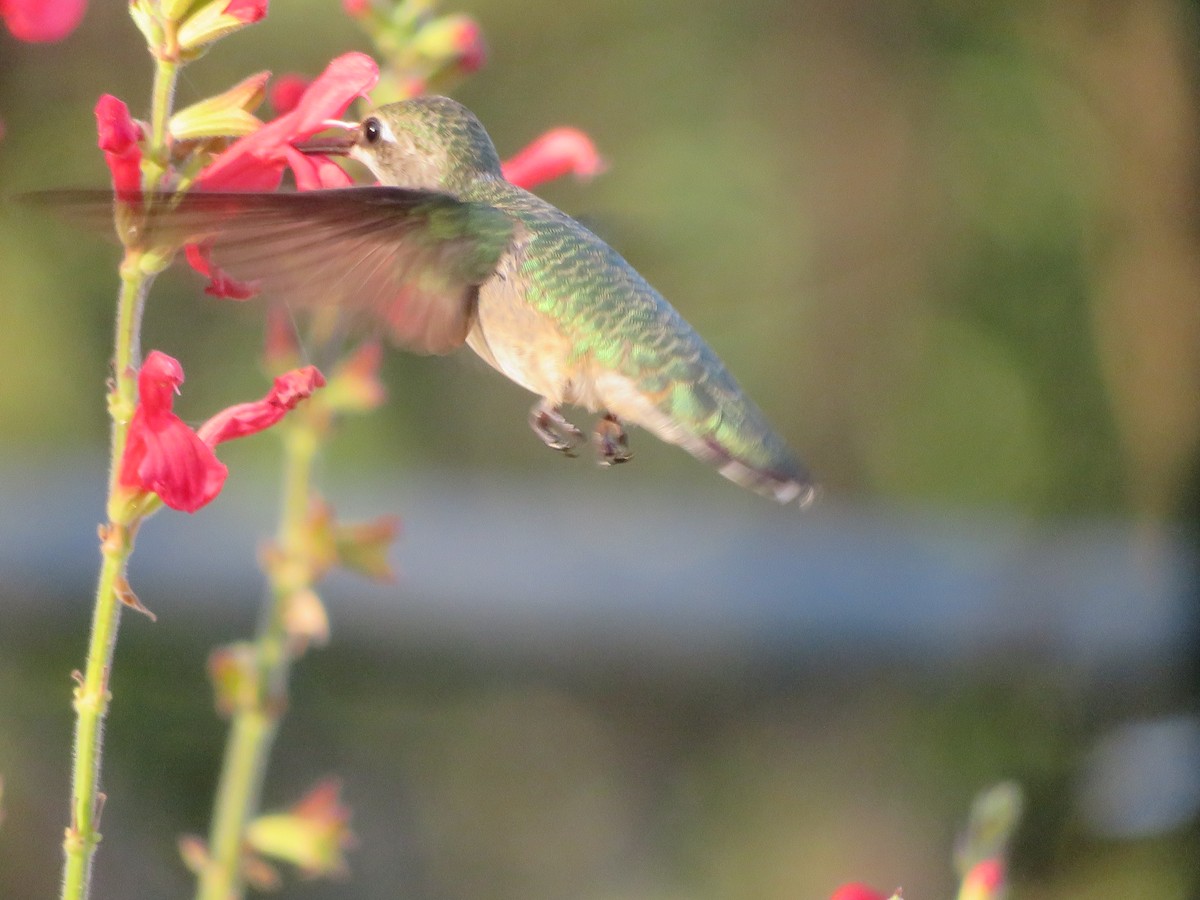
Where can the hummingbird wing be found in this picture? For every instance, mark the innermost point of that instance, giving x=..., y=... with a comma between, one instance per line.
x=411, y=260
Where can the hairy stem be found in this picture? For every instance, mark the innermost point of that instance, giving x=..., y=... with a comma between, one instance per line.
x=252, y=731
x=91, y=696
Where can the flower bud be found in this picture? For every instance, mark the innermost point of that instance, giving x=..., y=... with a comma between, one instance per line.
x=310, y=836
x=173, y=10
x=233, y=671
x=225, y=115
x=451, y=44
x=218, y=18
x=120, y=139
x=355, y=385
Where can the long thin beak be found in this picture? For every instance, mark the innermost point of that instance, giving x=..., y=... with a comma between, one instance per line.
x=337, y=144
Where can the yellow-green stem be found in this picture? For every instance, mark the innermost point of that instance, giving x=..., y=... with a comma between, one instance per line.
x=252, y=731
x=91, y=704
x=91, y=691
x=91, y=695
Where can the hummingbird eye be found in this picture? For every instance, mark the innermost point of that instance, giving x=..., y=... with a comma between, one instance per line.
x=372, y=130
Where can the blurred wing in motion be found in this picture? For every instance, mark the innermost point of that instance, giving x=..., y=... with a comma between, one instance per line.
x=411, y=260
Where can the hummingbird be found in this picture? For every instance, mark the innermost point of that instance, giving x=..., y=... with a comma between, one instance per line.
x=445, y=251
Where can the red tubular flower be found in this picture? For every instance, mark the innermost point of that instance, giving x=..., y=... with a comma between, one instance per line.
x=162, y=455
x=37, y=21
x=165, y=457
x=119, y=139
x=256, y=161
x=558, y=152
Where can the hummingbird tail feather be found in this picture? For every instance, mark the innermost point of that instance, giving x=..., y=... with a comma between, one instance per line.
x=785, y=482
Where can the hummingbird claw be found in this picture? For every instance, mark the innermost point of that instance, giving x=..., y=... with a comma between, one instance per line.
x=554, y=430
x=610, y=441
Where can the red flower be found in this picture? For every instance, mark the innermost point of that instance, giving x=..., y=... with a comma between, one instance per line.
x=558, y=152
x=287, y=91
x=36, y=21
x=119, y=137
x=256, y=161
x=250, y=418
x=165, y=457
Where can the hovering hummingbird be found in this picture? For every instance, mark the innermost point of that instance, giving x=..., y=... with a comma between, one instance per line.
x=445, y=251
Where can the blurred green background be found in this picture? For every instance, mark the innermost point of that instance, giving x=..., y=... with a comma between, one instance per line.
x=950, y=248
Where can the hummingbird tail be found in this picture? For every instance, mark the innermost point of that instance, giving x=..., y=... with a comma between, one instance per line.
x=784, y=480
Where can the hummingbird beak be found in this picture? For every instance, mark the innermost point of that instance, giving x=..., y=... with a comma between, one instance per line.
x=339, y=144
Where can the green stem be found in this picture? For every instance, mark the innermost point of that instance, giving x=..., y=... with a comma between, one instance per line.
x=252, y=732
x=166, y=73
x=91, y=705
x=91, y=696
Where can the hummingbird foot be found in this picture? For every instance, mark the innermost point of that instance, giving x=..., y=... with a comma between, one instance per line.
x=610, y=441
x=555, y=431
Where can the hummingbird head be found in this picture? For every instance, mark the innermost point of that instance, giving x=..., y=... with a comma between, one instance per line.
x=433, y=143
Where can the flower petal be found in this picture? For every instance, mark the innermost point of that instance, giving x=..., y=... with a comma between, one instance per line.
x=287, y=91
x=249, y=418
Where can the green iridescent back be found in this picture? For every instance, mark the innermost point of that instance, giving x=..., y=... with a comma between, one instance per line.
x=611, y=313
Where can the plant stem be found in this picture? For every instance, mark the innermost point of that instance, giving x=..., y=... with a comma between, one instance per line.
x=254, y=725
x=91, y=705
x=91, y=695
